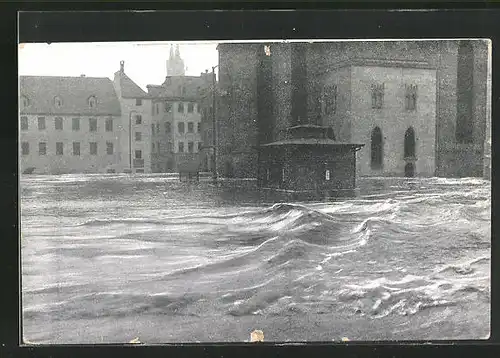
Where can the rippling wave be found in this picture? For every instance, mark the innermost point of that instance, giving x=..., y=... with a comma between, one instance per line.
x=399, y=251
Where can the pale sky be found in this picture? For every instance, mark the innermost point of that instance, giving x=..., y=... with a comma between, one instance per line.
x=145, y=62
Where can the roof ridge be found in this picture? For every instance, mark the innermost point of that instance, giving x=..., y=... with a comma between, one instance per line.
x=54, y=76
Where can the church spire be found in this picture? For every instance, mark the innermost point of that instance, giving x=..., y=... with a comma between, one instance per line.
x=175, y=64
x=171, y=57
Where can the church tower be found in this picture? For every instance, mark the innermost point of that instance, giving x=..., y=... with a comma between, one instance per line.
x=175, y=64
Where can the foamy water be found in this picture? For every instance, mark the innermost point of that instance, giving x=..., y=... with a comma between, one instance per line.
x=106, y=258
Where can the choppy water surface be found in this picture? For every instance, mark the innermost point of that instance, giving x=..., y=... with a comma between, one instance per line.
x=107, y=258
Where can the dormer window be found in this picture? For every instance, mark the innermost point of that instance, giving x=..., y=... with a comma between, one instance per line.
x=92, y=102
x=58, y=102
x=24, y=101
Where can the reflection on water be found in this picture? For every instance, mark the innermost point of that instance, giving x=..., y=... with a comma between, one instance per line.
x=117, y=252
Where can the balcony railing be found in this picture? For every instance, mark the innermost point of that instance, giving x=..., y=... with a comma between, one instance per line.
x=138, y=163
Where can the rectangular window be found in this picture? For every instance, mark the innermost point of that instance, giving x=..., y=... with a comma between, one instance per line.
x=42, y=148
x=190, y=107
x=168, y=127
x=25, y=147
x=138, y=102
x=198, y=127
x=59, y=148
x=180, y=107
x=76, y=124
x=190, y=127
x=170, y=147
x=58, y=123
x=378, y=96
x=41, y=123
x=109, y=125
x=180, y=127
x=109, y=148
x=152, y=128
x=157, y=108
x=76, y=148
x=93, y=124
x=138, y=119
x=158, y=147
x=153, y=147
x=138, y=136
x=138, y=154
x=181, y=147
x=168, y=107
x=200, y=144
x=93, y=148
x=24, y=123
x=190, y=147
x=330, y=99
x=411, y=97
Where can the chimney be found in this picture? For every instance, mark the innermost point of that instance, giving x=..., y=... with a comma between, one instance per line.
x=122, y=66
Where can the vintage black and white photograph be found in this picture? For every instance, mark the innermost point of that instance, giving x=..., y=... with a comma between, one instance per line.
x=245, y=191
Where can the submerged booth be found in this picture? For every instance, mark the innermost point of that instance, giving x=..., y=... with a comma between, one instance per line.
x=308, y=160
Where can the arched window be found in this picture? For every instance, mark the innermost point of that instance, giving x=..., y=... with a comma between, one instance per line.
x=92, y=102
x=409, y=143
x=377, y=149
x=58, y=102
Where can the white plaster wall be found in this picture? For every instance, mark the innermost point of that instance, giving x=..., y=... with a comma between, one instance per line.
x=69, y=163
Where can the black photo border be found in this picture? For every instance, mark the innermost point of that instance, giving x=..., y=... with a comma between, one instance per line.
x=176, y=21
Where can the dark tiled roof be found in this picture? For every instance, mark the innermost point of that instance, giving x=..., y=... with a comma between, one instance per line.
x=179, y=87
x=129, y=88
x=74, y=92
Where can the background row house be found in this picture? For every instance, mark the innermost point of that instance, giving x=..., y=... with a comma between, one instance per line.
x=83, y=125
x=97, y=125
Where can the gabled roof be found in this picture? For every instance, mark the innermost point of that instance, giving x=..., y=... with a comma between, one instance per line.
x=179, y=87
x=129, y=89
x=74, y=93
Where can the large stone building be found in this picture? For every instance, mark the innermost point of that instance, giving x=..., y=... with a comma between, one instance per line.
x=83, y=125
x=420, y=107
x=176, y=126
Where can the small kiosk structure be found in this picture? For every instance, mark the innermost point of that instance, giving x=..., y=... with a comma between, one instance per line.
x=308, y=160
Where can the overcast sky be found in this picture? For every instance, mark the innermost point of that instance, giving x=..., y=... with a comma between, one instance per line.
x=145, y=62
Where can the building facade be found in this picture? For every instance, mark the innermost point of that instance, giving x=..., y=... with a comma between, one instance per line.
x=418, y=106
x=177, y=131
x=69, y=125
x=136, y=117
x=176, y=125
x=83, y=125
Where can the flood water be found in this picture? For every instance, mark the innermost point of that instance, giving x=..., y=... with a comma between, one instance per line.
x=107, y=258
